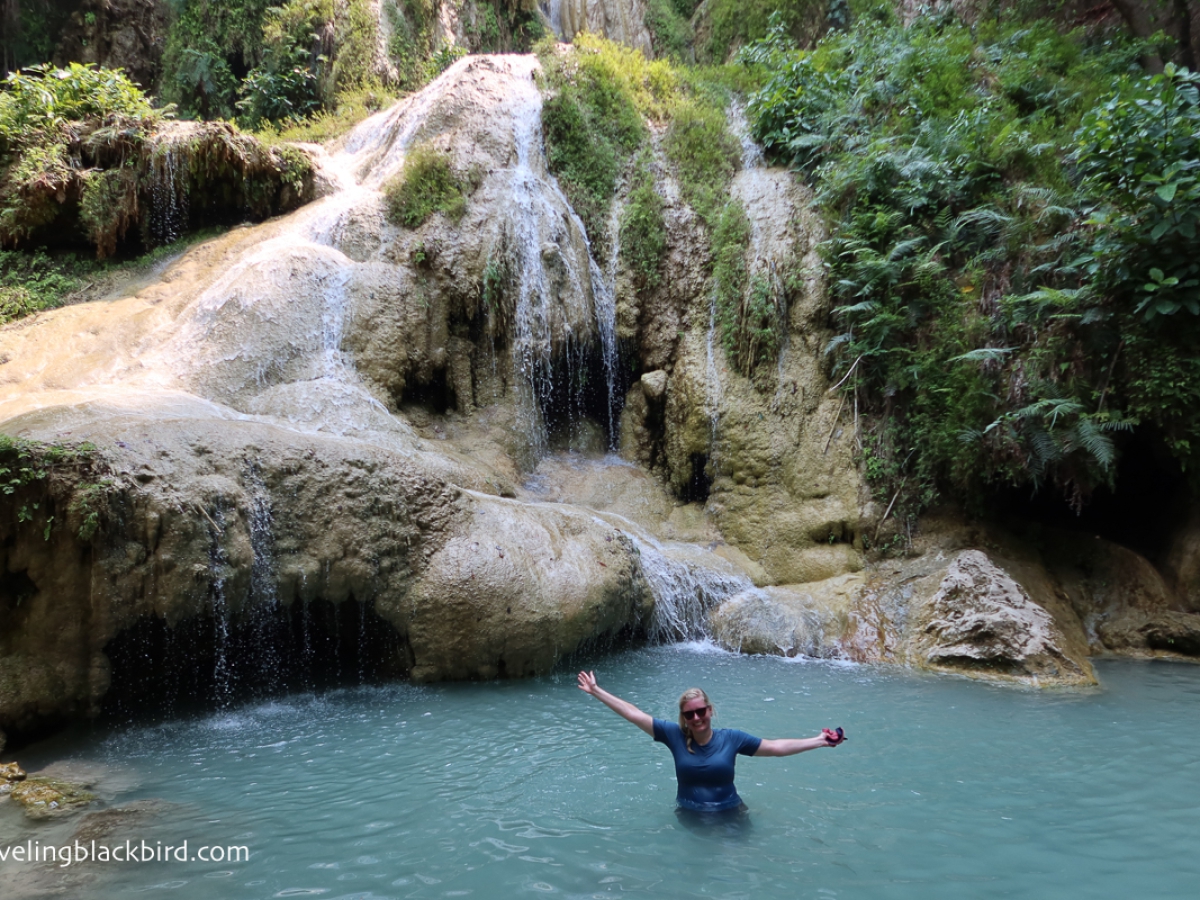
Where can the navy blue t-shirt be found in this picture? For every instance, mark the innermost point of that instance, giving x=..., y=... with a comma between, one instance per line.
x=705, y=775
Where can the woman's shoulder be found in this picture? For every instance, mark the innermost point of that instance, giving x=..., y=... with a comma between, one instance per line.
x=666, y=731
x=741, y=741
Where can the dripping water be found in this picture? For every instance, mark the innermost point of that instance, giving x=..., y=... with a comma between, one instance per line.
x=218, y=561
x=169, y=207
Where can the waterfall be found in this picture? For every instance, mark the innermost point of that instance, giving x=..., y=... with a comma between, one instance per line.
x=542, y=332
x=752, y=153
x=264, y=598
x=712, y=382
x=552, y=10
x=687, y=585
x=606, y=324
x=169, y=206
x=218, y=561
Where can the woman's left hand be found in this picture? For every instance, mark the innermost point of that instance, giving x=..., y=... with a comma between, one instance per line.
x=832, y=737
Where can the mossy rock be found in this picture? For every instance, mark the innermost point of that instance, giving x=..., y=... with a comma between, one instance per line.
x=46, y=797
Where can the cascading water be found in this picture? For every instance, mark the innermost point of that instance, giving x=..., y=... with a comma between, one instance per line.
x=552, y=10
x=540, y=333
x=218, y=561
x=606, y=324
x=168, y=195
x=752, y=153
x=712, y=371
x=264, y=598
x=687, y=584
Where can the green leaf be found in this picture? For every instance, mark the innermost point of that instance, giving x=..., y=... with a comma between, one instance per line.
x=1167, y=191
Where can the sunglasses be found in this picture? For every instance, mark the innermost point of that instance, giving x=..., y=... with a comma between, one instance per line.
x=690, y=714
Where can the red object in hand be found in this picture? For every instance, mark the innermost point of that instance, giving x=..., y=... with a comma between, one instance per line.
x=834, y=737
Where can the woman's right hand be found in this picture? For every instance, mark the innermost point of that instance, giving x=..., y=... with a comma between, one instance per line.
x=587, y=682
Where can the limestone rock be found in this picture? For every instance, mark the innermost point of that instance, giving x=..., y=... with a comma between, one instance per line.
x=778, y=454
x=44, y=798
x=623, y=21
x=981, y=621
x=11, y=773
x=795, y=620
x=1127, y=605
x=654, y=385
x=514, y=588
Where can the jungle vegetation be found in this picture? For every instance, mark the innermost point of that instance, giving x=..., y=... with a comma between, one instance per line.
x=1012, y=198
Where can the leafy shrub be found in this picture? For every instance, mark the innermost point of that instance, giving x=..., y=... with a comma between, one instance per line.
x=977, y=238
x=643, y=230
x=669, y=30
x=30, y=282
x=207, y=43
x=39, y=100
x=426, y=184
x=1138, y=155
x=732, y=23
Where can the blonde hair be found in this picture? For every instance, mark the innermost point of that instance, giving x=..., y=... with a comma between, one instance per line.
x=686, y=697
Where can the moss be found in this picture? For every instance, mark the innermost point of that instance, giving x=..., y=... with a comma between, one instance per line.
x=108, y=206
x=43, y=797
x=705, y=155
x=643, y=230
x=426, y=184
x=89, y=168
x=47, y=484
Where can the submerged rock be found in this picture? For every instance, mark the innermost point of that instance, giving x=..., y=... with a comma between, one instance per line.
x=44, y=798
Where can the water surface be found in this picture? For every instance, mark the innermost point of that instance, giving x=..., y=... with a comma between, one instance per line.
x=947, y=788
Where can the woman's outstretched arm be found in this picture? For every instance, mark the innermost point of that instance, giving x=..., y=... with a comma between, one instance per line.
x=792, y=746
x=623, y=708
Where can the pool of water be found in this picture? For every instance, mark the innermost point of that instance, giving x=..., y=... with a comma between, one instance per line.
x=946, y=788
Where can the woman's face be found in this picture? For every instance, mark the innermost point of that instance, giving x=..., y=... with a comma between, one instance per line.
x=698, y=715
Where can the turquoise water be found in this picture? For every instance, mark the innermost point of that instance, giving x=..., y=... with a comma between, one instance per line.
x=946, y=788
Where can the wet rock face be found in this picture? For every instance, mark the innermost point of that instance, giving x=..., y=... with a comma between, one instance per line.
x=118, y=34
x=618, y=20
x=981, y=620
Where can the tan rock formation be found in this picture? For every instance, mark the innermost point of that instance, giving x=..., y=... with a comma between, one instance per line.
x=964, y=614
x=785, y=487
x=981, y=621
x=623, y=21
x=249, y=407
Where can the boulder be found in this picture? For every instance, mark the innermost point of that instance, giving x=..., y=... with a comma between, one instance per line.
x=981, y=621
x=1126, y=604
x=795, y=620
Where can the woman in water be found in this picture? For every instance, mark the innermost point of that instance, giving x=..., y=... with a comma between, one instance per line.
x=704, y=758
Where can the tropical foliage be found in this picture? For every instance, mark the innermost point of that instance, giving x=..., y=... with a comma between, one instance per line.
x=1011, y=212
